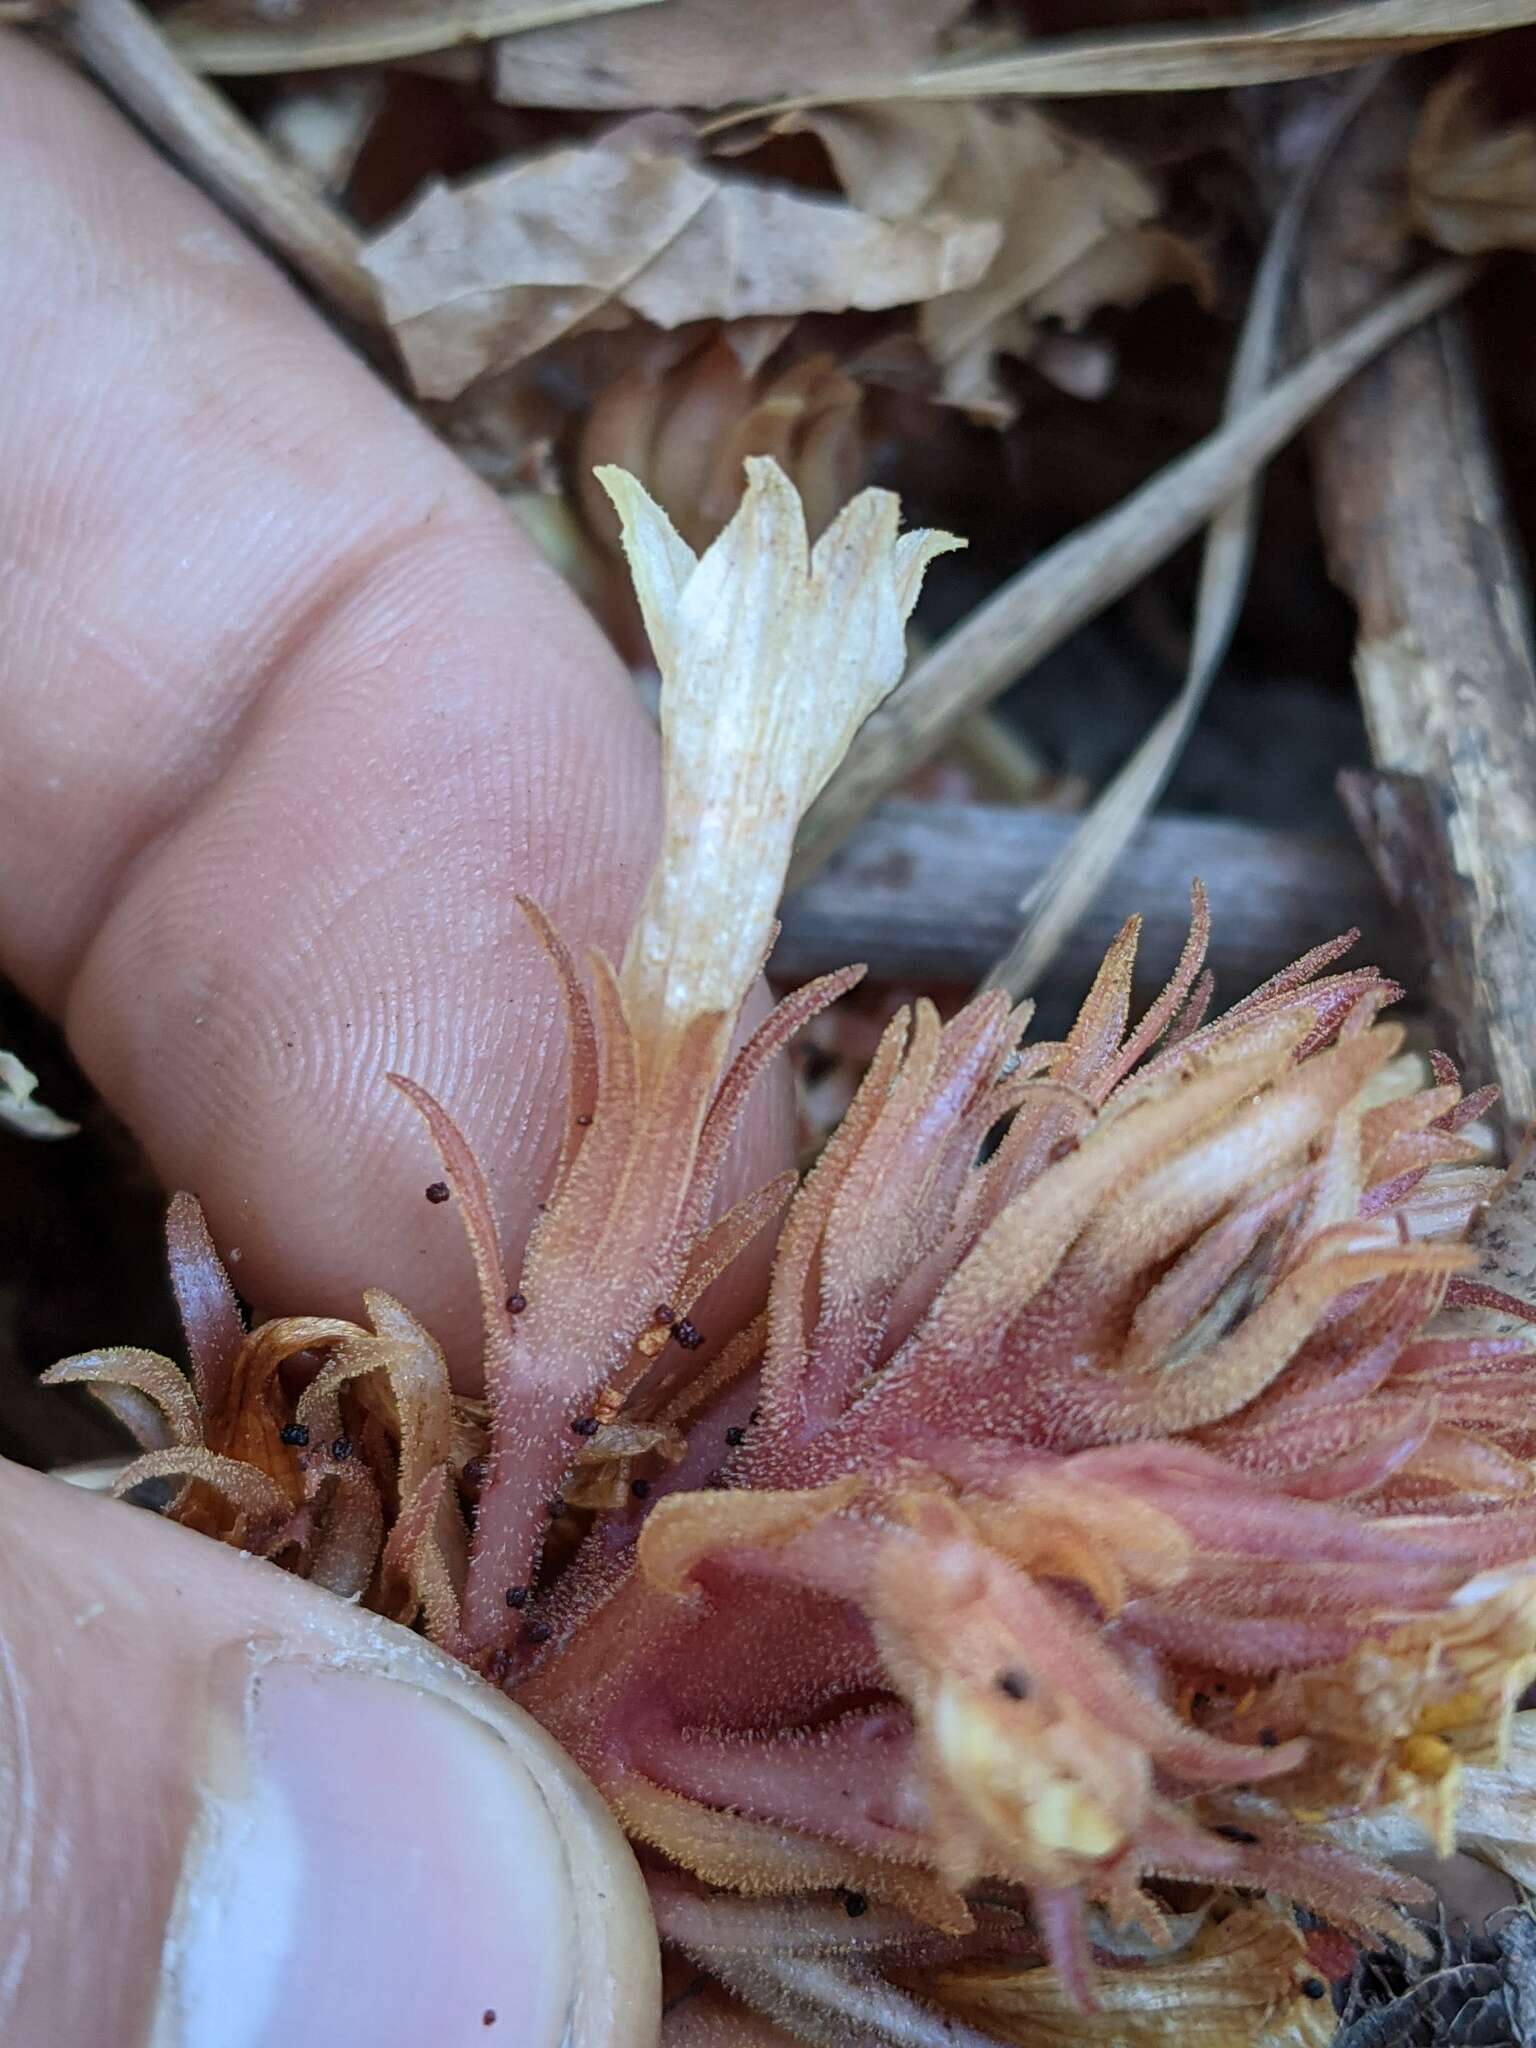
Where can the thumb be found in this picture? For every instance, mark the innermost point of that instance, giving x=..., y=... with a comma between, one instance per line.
x=236, y=1813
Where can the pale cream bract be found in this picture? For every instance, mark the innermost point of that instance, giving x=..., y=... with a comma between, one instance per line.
x=772, y=655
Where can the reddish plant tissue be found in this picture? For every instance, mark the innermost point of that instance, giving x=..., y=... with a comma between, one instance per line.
x=1115, y=1506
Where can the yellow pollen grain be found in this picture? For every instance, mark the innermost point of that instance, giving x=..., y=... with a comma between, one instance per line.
x=1426, y=1756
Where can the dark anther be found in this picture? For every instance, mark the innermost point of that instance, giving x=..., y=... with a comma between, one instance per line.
x=1313, y=1987
x=664, y=1312
x=556, y=1504
x=1015, y=1684
x=687, y=1335
x=1268, y=1739
x=294, y=1433
x=734, y=1436
x=855, y=1903
x=583, y=1121
x=537, y=1632
x=517, y=1596
x=1229, y=1833
x=438, y=1191
x=473, y=1475
x=516, y=1303
x=1198, y=1702
x=488, y=2017
x=341, y=1449
x=640, y=1488
x=586, y=1425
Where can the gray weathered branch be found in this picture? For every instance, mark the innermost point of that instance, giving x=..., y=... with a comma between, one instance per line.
x=929, y=892
x=1418, y=536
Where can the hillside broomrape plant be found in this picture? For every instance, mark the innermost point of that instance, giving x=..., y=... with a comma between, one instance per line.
x=1034, y=1616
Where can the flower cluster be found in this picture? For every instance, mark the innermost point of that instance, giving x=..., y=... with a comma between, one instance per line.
x=1108, y=1527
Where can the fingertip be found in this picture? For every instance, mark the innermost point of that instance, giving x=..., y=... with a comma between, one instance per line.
x=340, y=901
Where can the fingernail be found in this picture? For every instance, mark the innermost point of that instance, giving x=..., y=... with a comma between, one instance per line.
x=374, y=1862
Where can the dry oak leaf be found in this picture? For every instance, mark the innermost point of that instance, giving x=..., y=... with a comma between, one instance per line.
x=708, y=53
x=1072, y=216
x=477, y=276
x=1472, y=185
x=1245, y=1981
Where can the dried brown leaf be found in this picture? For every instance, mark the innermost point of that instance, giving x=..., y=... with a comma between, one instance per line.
x=1471, y=184
x=236, y=37
x=1119, y=268
x=685, y=432
x=708, y=53
x=321, y=126
x=1070, y=214
x=477, y=276
x=763, y=250
x=1298, y=42
x=1239, y=1985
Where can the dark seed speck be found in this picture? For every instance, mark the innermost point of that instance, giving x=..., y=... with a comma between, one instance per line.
x=1313, y=1987
x=855, y=1903
x=341, y=1449
x=517, y=1596
x=294, y=1433
x=1015, y=1684
x=438, y=1191
x=734, y=1436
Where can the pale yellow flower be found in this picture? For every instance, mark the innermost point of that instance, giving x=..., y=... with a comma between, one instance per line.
x=772, y=655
